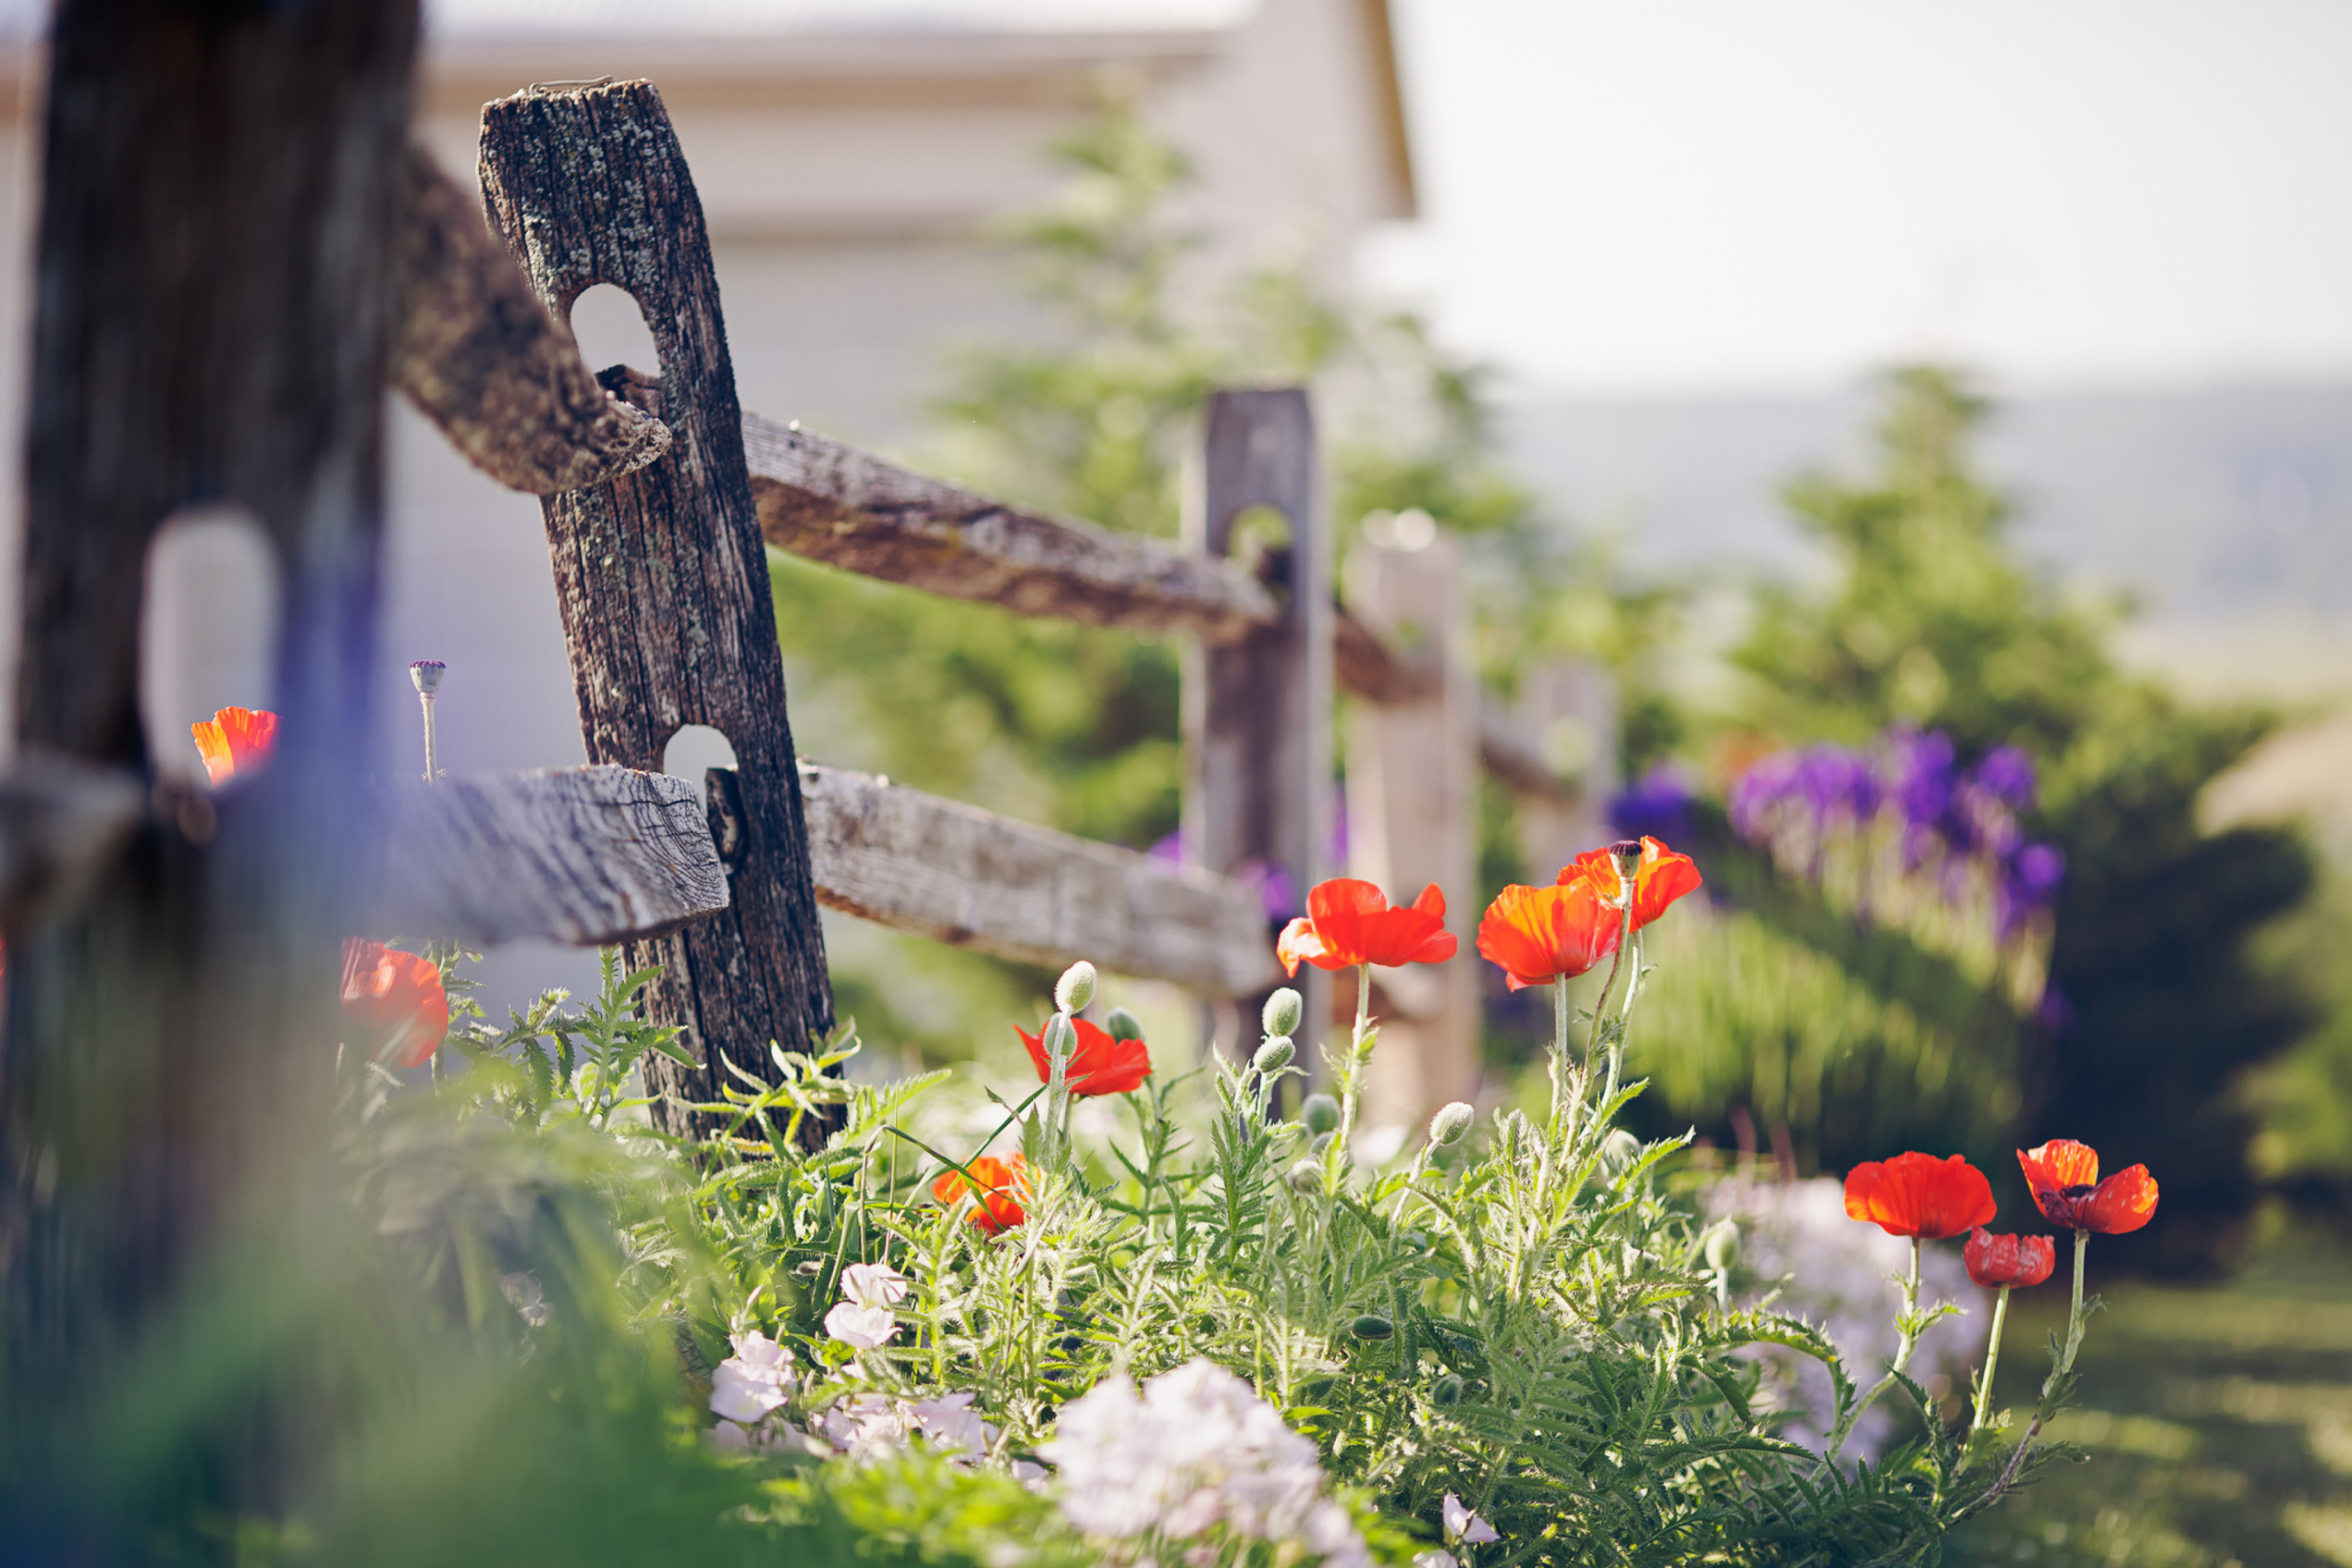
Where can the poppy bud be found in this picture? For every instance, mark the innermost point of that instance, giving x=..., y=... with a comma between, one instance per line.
x=1122, y=1025
x=1322, y=1141
x=1450, y=1124
x=1306, y=1176
x=1075, y=988
x=1373, y=1326
x=1448, y=1391
x=1275, y=1054
x=1722, y=1244
x=1283, y=1011
x=1322, y=1113
x=1619, y=1150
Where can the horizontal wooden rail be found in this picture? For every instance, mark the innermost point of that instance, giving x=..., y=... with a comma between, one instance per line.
x=828, y=502
x=963, y=875
x=585, y=855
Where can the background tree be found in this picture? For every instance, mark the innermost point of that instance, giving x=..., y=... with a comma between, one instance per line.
x=2157, y=1002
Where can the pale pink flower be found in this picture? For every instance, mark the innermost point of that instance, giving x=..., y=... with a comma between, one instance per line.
x=866, y=1327
x=1463, y=1525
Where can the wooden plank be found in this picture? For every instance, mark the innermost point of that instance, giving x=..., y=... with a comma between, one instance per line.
x=1412, y=817
x=478, y=354
x=220, y=186
x=660, y=574
x=1257, y=710
x=960, y=874
x=585, y=855
x=826, y=502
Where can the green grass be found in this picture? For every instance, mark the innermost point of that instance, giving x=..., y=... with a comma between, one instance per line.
x=2215, y=1423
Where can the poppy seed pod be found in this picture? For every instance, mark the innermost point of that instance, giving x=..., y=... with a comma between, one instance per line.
x=1322, y=1113
x=1619, y=1150
x=1373, y=1326
x=1122, y=1025
x=1275, y=1054
x=1306, y=1176
x=1447, y=1392
x=1283, y=1011
x=1075, y=988
x=1450, y=1124
x=1722, y=1244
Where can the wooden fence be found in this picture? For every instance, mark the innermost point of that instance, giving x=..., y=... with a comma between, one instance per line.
x=587, y=185
x=210, y=327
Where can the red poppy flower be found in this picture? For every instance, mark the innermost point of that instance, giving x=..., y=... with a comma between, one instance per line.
x=1997, y=1260
x=235, y=740
x=1538, y=934
x=1002, y=1184
x=1662, y=877
x=1103, y=1064
x=393, y=1002
x=2065, y=1176
x=1349, y=923
x=1918, y=1194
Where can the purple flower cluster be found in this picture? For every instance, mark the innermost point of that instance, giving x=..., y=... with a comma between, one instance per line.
x=1655, y=807
x=1949, y=819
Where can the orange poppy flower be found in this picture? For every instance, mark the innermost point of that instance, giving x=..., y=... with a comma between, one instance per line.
x=2065, y=1176
x=1103, y=1064
x=1997, y=1260
x=394, y=1002
x=235, y=740
x=1662, y=877
x=1918, y=1194
x=1538, y=934
x=1349, y=922
x=1002, y=1184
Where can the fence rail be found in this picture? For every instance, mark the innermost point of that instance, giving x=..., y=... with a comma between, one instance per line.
x=960, y=875
x=826, y=502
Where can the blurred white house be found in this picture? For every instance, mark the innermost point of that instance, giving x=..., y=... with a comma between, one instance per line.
x=851, y=155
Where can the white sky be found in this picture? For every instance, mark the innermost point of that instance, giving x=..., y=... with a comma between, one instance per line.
x=1678, y=196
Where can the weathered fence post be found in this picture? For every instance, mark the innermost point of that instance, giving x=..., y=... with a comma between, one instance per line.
x=661, y=573
x=221, y=190
x=1413, y=812
x=1258, y=710
x=1566, y=714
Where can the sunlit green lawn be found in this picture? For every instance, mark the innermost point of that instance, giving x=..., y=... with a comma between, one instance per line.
x=2218, y=1425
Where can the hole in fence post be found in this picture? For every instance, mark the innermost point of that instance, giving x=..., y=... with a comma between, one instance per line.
x=705, y=757
x=610, y=331
x=207, y=628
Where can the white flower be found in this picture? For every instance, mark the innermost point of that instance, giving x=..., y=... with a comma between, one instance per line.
x=752, y=1382
x=873, y=1285
x=1463, y=1525
x=868, y=1426
x=1196, y=1448
x=954, y=1426
x=1433, y=1558
x=867, y=1327
x=1030, y=1474
x=730, y=1439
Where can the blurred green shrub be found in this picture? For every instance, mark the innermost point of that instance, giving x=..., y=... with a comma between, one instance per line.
x=2158, y=1006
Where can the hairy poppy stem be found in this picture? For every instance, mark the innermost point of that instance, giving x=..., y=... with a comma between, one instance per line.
x=425, y=676
x=1992, y=1362
x=1616, y=961
x=1351, y=1080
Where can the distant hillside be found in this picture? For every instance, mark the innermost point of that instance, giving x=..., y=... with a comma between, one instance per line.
x=2227, y=514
